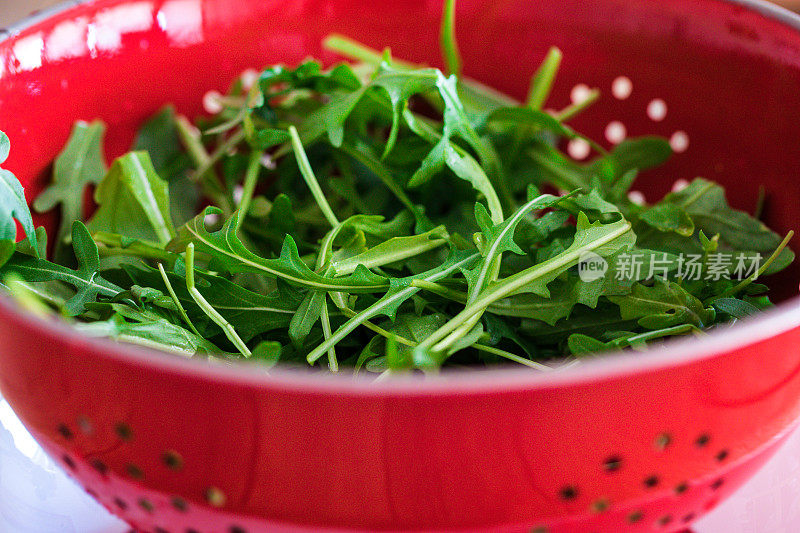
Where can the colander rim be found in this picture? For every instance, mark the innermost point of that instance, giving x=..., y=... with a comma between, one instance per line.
x=781, y=319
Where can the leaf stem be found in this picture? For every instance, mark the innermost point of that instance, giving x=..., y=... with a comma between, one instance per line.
x=310, y=178
x=114, y=244
x=208, y=309
x=176, y=301
x=333, y=364
x=542, y=80
x=352, y=49
x=249, y=187
x=382, y=306
x=511, y=284
x=447, y=39
x=511, y=357
x=577, y=108
x=750, y=279
x=190, y=137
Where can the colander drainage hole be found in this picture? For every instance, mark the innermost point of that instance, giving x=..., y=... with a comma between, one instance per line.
x=568, y=493
x=722, y=455
x=540, y=529
x=120, y=503
x=651, y=482
x=237, y=529
x=215, y=497
x=160, y=530
x=703, y=440
x=145, y=504
x=68, y=461
x=172, y=460
x=717, y=484
x=688, y=518
x=100, y=466
x=64, y=431
x=85, y=425
x=600, y=505
x=662, y=441
x=613, y=463
x=134, y=471
x=635, y=516
x=664, y=521
x=179, y=504
x=123, y=431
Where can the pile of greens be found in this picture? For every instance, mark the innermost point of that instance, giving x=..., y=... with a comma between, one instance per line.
x=377, y=215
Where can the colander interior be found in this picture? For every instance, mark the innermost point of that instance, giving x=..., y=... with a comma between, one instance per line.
x=173, y=451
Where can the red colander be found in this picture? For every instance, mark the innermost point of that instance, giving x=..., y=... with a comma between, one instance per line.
x=629, y=442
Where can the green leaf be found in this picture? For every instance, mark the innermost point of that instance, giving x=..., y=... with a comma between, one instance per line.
x=267, y=353
x=526, y=116
x=6, y=251
x=12, y=201
x=147, y=329
x=580, y=345
x=159, y=138
x=500, y=239
x=668, y=217
x=400, y=290
x=563, y=298
x=662, y=305
x=705, y=203
x=735, y=307
x=250, y=313
x=133, y=201
x=80, y=163
x=230, y=255
x=598, y=238
x=393, y=250
x=445, y=152
x=638, y=153
x=308, y=313
x=86, y=280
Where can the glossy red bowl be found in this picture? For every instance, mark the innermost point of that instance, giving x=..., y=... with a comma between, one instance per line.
x=628, y=442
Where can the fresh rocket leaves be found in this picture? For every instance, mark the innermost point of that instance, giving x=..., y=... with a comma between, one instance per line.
x=79, y=165
x=133, y=201
x=85, y=280
x=384, y=217
x=12, y=201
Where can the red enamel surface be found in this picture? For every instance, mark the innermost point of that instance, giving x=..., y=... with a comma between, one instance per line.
x=461, y=452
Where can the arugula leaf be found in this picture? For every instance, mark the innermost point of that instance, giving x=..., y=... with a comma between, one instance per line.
x=249, y=312
x=86, y=280
x=133, y=201
x=229, y=254
x=668, y=217
x=662, y=305
x=80, y=163
x=400, y=291
x=159, y=138
x=145, y=328
x=705, y=203
x=12, y=201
